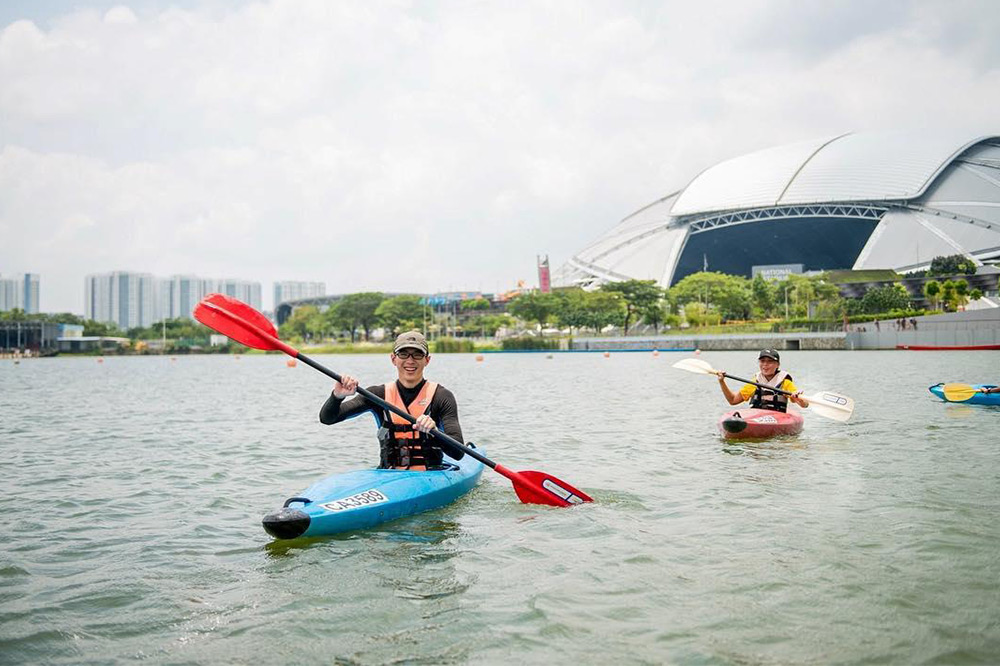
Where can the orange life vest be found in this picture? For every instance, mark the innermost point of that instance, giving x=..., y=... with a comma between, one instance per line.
x=405, y=446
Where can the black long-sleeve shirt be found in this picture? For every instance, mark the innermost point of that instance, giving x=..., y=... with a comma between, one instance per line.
x=443, y=409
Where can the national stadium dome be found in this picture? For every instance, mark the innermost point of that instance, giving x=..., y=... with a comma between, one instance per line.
x=868, y=200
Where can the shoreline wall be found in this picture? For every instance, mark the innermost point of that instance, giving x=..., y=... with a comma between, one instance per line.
x=976, y=327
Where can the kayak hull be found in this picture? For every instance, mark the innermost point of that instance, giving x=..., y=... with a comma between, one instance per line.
x=948, y=347
x=362, y=499
x=759, y=424
x=977, y=399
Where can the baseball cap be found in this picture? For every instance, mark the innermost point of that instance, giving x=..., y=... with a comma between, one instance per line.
x=769, y=353
x=412, y=339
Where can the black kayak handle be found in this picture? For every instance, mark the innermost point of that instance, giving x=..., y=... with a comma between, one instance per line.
x=304, y=500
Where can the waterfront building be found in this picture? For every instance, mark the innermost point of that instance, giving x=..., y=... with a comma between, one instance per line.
x=868, y=200
x=244, y=290
x=20, y=292
x=289, y=290
x=122, y=298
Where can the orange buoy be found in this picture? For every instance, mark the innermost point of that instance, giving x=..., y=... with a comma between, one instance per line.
x=291, y=363
x=100, y=359
x=607, y=354
x=479, y=357
x=656, y=352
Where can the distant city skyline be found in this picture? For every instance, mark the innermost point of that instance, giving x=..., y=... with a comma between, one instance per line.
x=20, y=292
x=426, y=147
x=129, y=299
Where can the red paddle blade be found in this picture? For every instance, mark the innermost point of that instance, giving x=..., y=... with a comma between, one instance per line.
x=541, y=488
x=245, y=326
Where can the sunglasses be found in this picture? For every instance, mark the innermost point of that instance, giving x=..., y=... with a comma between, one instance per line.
x=411, y=353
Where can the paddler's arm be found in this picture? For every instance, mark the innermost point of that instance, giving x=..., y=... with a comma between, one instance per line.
x=732, y=398
x=447, y=422
x=337, y=409
x=796, y=396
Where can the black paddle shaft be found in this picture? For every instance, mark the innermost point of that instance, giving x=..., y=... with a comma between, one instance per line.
x=371, y=397
x=763, y=386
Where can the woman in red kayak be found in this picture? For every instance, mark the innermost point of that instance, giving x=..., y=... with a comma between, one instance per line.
x=771, y=375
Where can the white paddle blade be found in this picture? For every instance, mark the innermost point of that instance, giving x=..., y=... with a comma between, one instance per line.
x=695, y=365
x=831, y=405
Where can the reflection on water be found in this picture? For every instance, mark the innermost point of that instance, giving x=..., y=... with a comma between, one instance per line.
x=134, y=490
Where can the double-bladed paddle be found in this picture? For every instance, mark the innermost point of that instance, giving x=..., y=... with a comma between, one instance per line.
x=245, y=325
x=825, y=403
x=959, y=392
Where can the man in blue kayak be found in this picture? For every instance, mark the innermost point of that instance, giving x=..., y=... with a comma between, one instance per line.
x=403, y=445
x=770, y=375
x=989, y=389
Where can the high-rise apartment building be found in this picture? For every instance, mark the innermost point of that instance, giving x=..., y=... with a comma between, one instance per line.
x=124, y=299
x=244, y=290
x=293, y=291
x=21, y=292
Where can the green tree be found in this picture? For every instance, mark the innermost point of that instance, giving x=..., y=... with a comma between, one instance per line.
x=487, y=324
x=356, y=311
x=949, y=294
x=698, y=314
x=474, y=304
x=961, y=292
x=603, y=308
x=932, y=290
x=655, y=315
x=955, y=264
x=306, y=323
x=102, y=329
x=762, y=296
x=571, y=307
x=975, y=294
x=400, y=313
x=885, y=299
x=638, y=296
x=729, y=295
x=534, y=306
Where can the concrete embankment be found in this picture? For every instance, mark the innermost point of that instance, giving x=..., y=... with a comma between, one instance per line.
x=978, y=327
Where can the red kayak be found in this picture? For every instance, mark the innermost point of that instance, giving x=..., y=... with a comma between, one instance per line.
x=759, y=424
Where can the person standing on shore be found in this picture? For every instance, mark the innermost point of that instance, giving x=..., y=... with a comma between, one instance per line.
x=770, y=375
x=403, y=445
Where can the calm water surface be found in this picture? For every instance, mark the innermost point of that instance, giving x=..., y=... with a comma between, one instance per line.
x=134, y=488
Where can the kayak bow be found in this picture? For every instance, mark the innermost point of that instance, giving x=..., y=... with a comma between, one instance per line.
x=759, y=424
x=368, y=497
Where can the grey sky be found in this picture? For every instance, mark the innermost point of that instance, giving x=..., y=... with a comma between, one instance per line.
x=419, y=145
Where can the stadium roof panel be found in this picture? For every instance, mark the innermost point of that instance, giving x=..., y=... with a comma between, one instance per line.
x=749, y=181
x=867, y=166
x=875, y=166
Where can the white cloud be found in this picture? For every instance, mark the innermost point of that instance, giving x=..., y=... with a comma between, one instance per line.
x=394, y=146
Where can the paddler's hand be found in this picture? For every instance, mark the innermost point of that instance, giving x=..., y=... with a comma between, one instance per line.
x=721, y=374
x=800, y=399
x=346, y=386
x=424, y=423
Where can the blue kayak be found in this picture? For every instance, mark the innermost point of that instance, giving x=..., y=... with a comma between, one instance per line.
x=367, y=497
x=977, y=399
